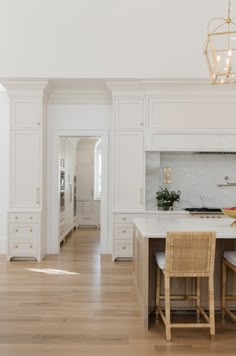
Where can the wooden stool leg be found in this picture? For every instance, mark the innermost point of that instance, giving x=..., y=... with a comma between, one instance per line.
x=167, y=308
x=198, y=294
x=223, y=290
x=211, y=308
x=158, y=290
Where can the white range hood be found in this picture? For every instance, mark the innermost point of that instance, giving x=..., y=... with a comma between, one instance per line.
x=223, y=140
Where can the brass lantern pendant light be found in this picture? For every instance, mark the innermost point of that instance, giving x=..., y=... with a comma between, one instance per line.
x=220, y=50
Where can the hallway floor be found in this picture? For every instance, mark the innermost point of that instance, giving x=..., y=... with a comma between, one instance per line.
x=93, y=312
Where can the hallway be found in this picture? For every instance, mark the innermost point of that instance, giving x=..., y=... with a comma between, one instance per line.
x=93, y=312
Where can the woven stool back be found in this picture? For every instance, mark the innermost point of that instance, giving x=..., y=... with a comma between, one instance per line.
x=190, y=254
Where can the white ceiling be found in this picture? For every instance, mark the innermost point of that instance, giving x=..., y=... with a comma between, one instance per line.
x=141, y=39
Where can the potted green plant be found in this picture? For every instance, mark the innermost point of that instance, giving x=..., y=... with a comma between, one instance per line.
x=166, y=198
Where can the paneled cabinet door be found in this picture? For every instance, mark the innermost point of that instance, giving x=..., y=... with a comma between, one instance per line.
x=25, y=169
x=129, y=171
x=129, y=114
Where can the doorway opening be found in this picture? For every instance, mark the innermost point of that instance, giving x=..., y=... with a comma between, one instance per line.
x=80, y=173
x=77, y=186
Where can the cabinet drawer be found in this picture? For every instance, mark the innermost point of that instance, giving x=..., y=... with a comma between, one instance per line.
x=23, y=217
x=126, y=218
x=21, y=248
x=23, y=231
x=88, y=219
x=87, y=209
x=123, y=248
x=87, y=204
x=124, y=231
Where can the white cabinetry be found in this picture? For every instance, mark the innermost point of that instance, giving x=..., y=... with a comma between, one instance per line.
x=128, y=131
x=25, y=177
x=123, y=230
x=129, y=113
x=89, y=213
x=25, y=113
x=24, y=230
x=123, y=235
x=129, y=170
x=27, y=227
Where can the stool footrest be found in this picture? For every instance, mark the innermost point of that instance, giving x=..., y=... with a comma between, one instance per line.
x=227, y=311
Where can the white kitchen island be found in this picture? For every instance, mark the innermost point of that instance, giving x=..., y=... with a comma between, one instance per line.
x=149, y=237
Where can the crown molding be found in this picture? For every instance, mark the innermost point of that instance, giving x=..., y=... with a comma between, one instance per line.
x=187, y=87
x=124, y=87
x=18, y=86
x=79, y=96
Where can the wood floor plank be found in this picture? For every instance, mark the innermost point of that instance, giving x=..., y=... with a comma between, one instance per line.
x=94, y=312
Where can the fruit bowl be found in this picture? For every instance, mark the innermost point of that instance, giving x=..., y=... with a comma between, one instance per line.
x=231, y=212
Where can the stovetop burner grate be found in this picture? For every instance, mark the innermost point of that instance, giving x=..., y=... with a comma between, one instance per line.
x=203, y=210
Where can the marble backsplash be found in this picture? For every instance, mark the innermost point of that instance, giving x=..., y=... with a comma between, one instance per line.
x=195, y=175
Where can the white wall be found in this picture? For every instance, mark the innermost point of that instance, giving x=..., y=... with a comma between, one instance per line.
x=4, y=164
x=196, y=176
x=106, y=38
x=77, y=120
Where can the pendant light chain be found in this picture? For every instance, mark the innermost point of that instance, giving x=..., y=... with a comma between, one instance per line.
x=229, y=9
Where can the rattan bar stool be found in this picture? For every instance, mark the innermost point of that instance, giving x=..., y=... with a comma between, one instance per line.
x=229, y=261
x=187, y=254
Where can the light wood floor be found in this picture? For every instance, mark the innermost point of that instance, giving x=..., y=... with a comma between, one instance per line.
x=94, y=312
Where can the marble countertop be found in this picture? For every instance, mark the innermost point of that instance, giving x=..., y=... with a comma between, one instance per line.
x=154, y=212
x=157, y=227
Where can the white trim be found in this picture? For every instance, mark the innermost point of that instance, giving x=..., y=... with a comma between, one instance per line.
x=53, y=202
x=79, y=96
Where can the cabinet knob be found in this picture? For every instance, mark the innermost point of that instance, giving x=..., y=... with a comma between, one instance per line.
x=31, y=230
x=38, y=123
x=124, y=219
x=31, y=218
x=124, y=247
x=16, y=217
x=124, y=231
x=141, y=123
x=16, y=230
x=16, y=246
x=31, y=246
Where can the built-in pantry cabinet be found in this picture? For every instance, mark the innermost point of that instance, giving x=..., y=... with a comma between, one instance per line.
x=128, y=130
x=27, y=227
x=129, y=170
